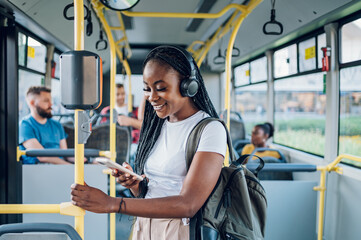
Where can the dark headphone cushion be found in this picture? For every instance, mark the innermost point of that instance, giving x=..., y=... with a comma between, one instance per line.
x=189, y=87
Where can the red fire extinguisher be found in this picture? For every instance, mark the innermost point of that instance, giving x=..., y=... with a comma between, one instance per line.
x=325, y=65
x=325, y=59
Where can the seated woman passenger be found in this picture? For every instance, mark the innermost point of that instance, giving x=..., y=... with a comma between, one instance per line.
x=260, y=134
x=171, y=193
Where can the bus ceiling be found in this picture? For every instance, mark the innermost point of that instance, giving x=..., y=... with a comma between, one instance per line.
x=45, y=18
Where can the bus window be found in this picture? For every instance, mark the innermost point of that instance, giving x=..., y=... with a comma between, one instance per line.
x=300, y=113
x=241, y=75
x=321, y=42
x=285, y=61
x=307, y=55
x=350, y=112
x=36, y=55
x=22, y=49
x=252, y=104
x=350, y=41
x=259, y=70
x=26, y=80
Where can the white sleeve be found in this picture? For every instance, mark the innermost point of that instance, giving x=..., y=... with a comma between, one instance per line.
x=213, y=139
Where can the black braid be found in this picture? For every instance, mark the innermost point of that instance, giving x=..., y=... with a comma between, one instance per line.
x=152, y=124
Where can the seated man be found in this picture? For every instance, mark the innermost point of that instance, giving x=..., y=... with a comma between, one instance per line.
x=38, y=130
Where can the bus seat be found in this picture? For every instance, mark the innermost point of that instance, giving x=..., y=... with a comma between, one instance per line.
x=271, y=175
x=16, y=231
x=238, y=132
x=99, y=139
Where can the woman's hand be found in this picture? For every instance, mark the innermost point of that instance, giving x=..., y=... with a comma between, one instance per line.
x=127, y=180
x=92, y=199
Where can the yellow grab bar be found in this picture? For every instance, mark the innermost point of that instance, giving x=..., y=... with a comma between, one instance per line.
x=66, y=208
x=322, y=187
x=79, y=148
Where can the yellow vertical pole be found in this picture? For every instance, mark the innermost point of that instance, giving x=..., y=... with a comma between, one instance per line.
x=98, y=7
x=79, y=148
x=227, y=102
x=112, y=127
x=321, y=202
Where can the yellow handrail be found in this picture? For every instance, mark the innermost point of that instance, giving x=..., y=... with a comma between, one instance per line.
x=79, y=148
x=66, y=208
x=98, y=8
x=322, y=187
x=29, y=208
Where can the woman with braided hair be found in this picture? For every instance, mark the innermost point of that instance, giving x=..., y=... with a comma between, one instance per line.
x=163, y=203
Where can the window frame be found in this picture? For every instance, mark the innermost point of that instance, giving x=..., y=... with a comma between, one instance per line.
x=29, y=34
x=250, y=70
x=356, y=63
x=341, y=23
x=297, y=41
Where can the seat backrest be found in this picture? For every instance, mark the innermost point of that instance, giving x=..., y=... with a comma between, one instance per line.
x=69, y=130
x=237, y=130
x=236, y=125
x=272, y=175
x=99, y=139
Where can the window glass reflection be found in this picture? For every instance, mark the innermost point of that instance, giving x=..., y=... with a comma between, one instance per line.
x=251, y=103
x=351, y=41
x=350, y=112
x=259, y=70
x=300, y=113
x=36, y=55
x=241, y=75
x=285, y=61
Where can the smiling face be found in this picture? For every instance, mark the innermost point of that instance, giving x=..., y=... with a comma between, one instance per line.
x=161, y=88
x=120, y=96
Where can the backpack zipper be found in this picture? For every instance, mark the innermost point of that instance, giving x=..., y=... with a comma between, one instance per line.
x=226, y=192
x=254, y=180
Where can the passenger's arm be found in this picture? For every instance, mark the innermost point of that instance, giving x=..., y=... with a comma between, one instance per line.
x=33, y=143
x=129, y=121
x=198, y=185
x=141, y=108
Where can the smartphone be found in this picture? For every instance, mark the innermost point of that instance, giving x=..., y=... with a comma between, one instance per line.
x=113, y=165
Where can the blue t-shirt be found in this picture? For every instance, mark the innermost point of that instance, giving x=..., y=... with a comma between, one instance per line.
x=48, y=135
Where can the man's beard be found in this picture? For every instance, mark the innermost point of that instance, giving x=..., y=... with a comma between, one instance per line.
x=43, y=113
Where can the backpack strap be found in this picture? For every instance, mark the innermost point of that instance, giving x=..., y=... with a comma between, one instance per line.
x=191, y=148
x=195, y=136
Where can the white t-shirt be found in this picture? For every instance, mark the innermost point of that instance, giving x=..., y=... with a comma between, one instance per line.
x=166, y=164
x=122, y=110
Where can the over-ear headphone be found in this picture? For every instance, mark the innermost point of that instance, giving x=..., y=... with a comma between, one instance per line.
x=189, y=85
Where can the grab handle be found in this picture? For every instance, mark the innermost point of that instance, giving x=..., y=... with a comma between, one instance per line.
x=273, y=22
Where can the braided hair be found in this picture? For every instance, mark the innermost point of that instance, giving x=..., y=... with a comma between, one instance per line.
x=152, y=125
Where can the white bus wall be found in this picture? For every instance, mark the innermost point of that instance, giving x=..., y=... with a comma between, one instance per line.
x=343, y=196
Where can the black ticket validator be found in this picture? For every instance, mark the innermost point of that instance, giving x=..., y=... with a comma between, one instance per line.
x=81, y=80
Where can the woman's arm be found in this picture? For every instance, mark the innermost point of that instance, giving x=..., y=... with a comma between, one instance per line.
x=198, y=185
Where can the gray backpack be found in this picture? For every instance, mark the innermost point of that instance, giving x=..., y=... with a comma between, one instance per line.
x=236, y=208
